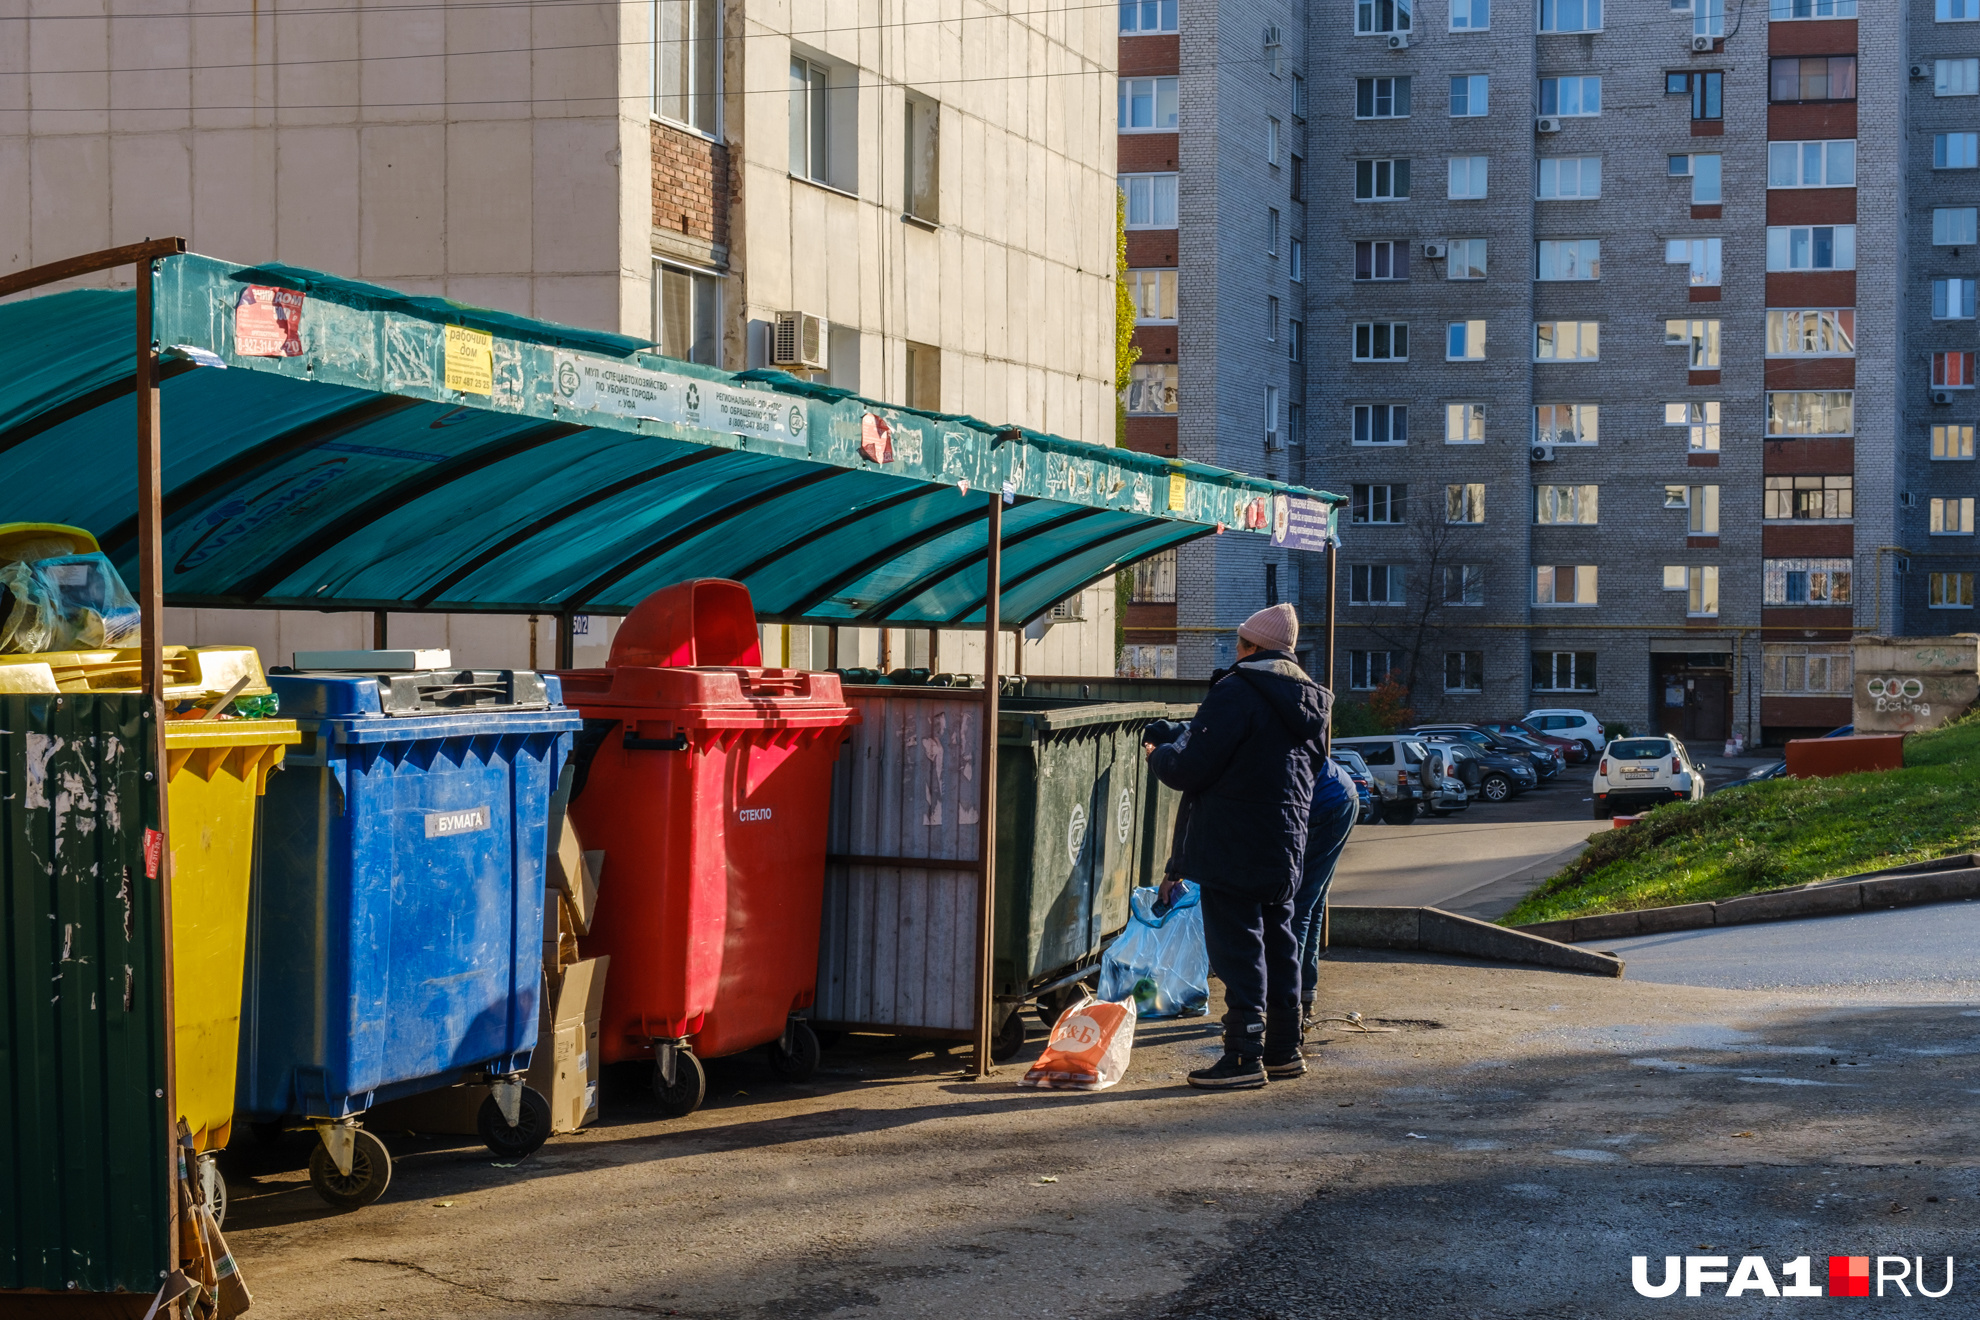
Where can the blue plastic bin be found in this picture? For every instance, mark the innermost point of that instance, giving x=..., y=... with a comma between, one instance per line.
x=395, y=936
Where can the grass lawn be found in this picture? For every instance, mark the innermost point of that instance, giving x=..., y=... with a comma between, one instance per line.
x=1778, y=833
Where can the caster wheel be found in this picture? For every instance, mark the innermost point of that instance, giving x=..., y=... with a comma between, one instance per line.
x=370, y=1175
x=214, y=1184
x=1009, y=1039
x=532, y=1127
x=689, y=1089
x=802, y=1061
x=1051, y=1005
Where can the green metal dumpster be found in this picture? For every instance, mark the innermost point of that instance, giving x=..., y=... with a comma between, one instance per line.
x=1080, y=823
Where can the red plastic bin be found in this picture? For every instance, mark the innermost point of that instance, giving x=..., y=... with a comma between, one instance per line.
x=707, y=788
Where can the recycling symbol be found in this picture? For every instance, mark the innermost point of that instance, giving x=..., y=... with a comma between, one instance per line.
x=694, y=398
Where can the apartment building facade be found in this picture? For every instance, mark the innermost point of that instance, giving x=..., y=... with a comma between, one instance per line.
x=933, y=184
x=1610, y=354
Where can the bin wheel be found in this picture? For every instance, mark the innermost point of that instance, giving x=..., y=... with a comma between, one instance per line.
x=214, y=1184
x=532, y=1127
x=689, y=1088
x=1054, y=1002
x=370, y=1175
x=802, y=1061
x=1009, y=1039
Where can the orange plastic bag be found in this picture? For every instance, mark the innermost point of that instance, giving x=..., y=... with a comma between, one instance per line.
x=1089, y=1047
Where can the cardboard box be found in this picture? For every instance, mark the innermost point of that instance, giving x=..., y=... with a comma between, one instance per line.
x=569, y=869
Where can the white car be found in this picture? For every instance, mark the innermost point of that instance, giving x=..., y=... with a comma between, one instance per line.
x=1635, y=773
x=1573, y=725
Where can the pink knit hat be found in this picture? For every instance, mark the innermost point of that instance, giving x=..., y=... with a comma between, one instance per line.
x=1274, y=629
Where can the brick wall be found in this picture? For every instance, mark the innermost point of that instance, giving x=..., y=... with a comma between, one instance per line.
x=691, y=185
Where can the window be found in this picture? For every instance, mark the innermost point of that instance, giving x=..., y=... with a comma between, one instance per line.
x=687, y=62
x=1570, y=259
x=1949, y=591
x=1464, y=671
x=1272, y=231
x=1703, y=170
x=1140, y=16
x=1805, y=581
x=1381, y=424
x=1561, y=506
x=1951, y=443
x=1271, y=417
x=1702, y=503
x=1296, y=423
x=1381, y=341
x=1800, y=669
x=1708, y=18
x=1464, y=503
x=1812, y=164
x=1952, y=371
x=1706, y=90
x=1366, y=670
x=1699, y=582
x=1295, y=261
x=1952, y=517
x=1570, y=177
x=1812, y=78
x=811, y=121
x=1298, y=96
x=1464, y=341
x=1570, y=15
x=1571, y=98
x=1375, y=584
x=1700, y=254
x=1381, y=259
x=687, y=314
x=1956, y=78
x=1701, y=417
x=1151, y=200
x=1381, y=180
x=1564, y=584
x=1955, y=151
x=1812, y=247
x=1371, y=16
x=1812, y=332
x=1468, y=176
x=1152, y=388
x=1272, y=141
x=1700, y=340
x=1821, y=498
x=1295, y=340
x=1784, y=10
x=1811, y=412
x=1272, y=320
x=922, y=171
x=1953, y=226
x=1566, y=341
x=1297, y=174
x=1155, y=579
x=1466, y=259
x=1464, y=584
x=1377, y=505
x=1565, y=423
x=924, y=376
x=1464, y=424
x=1958, y=11
x=1154, y=294
x=1381, y=98
x=1147, y=105
x=1564, y=671
x=1471, y=15
x=1470, y=95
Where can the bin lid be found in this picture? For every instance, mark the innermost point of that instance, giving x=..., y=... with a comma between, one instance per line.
x=26, y=534
x=342, y=695
x=708, y=697
x=702, y=621
x=192, y=673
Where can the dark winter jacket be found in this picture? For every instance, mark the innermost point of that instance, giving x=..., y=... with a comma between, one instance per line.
x=1246, y=765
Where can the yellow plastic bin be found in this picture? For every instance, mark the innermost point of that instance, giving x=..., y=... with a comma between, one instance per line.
x=214, y=772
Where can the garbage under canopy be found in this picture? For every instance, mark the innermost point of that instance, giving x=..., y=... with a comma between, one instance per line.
x=336, y=445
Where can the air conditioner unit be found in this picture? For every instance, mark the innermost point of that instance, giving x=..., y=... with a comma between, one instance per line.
x=1436, y=251
x=1919, y=71
x=1400, y=41
x=1942, y=396
x=1548, y=124
x=798, y=339
x=1701, y=45
x=1543, y=453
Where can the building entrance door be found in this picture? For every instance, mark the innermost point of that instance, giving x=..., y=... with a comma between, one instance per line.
x=1694, y=697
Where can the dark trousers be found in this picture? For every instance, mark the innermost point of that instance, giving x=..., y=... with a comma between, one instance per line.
x=1255, y=954
x=1326, y=835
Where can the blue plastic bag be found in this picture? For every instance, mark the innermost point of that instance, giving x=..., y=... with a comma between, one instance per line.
x=1160, y=961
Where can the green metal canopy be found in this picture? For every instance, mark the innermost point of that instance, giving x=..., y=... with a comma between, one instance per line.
x=359, y=448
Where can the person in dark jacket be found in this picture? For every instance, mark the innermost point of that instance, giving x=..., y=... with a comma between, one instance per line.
x=1329, y=822
x=1246, y=765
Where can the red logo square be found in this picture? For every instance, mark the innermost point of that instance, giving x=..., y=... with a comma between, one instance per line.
x=1849, y=1276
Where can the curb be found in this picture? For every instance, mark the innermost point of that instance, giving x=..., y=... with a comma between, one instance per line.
x=1433, y=930
x=1943, y=879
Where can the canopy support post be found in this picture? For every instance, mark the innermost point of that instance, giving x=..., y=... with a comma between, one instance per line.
x=986, y=811
x=566, y=640
x=1331, y=573
x=379, y=631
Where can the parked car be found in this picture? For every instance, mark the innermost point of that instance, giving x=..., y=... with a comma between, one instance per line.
x=1643, y=772
x=1447, y=791
x=1760, y=774
x=1489, y=773
x=1844, y=731
x=1574, y=725
x=1570, y=750
x=1395, y=764
x=1545, y=764
x=1363, y=782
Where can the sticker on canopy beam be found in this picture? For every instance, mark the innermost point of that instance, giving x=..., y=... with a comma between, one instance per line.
x=623, y=390
x=1300, y=524
x=470, y=360
x=268, y=322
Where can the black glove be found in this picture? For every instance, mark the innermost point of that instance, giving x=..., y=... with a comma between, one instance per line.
x=1163, y=732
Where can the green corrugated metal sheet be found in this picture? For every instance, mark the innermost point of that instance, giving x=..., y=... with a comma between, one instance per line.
x=83, y=1133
